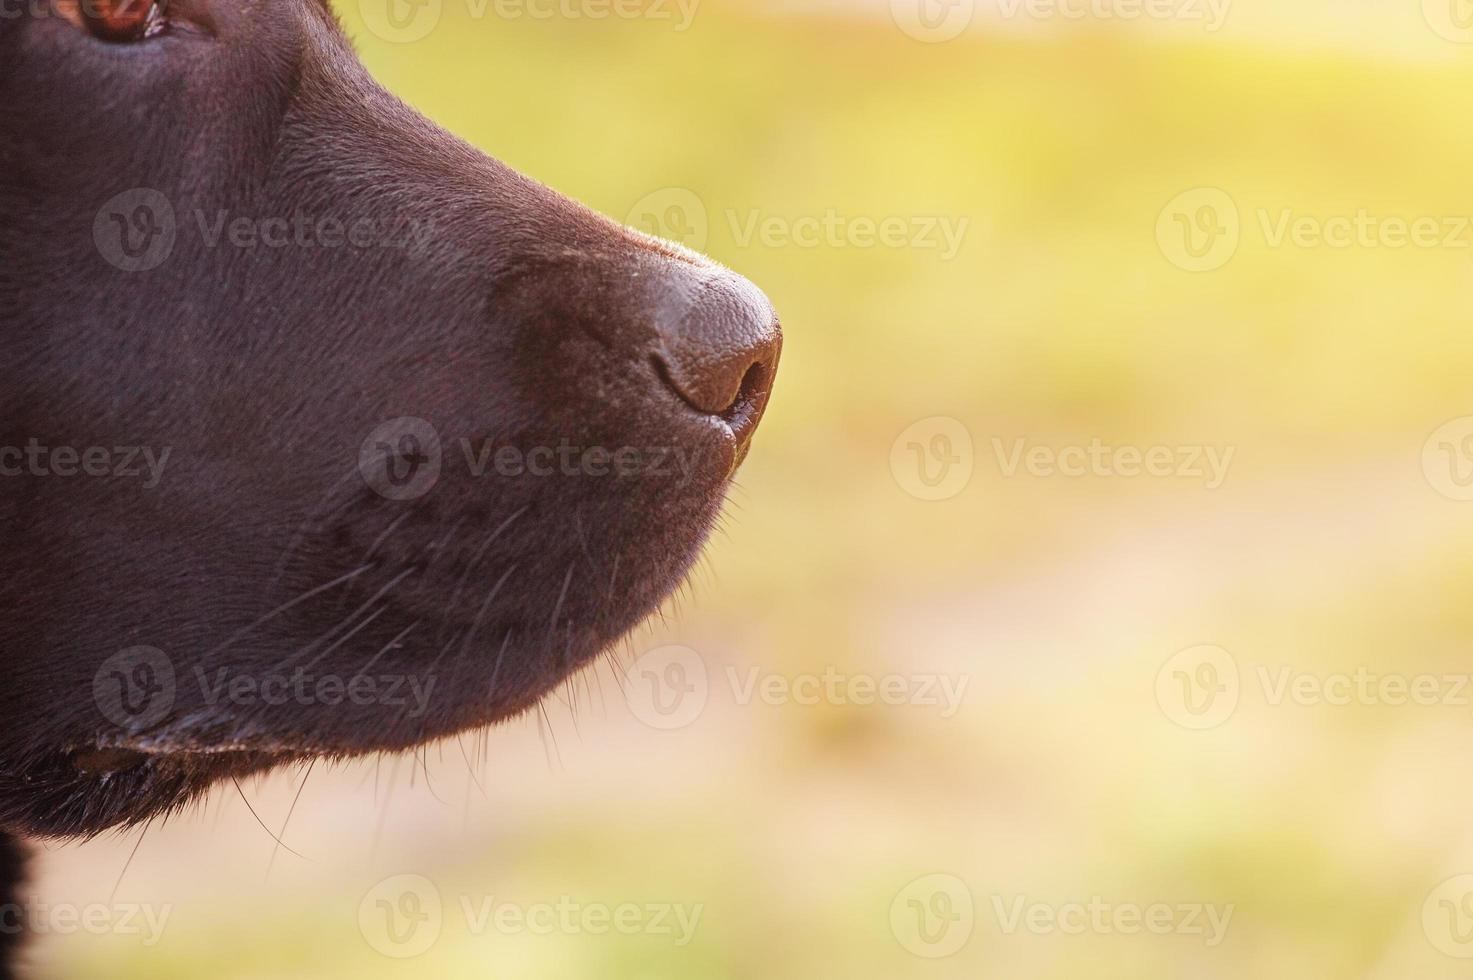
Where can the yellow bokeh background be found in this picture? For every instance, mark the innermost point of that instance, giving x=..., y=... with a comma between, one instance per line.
x=1072, y=157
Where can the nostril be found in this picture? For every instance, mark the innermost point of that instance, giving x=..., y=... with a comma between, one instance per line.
x=750, y=393
x=752, y=384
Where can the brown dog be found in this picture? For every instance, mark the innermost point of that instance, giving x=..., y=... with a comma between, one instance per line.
x=321, y=433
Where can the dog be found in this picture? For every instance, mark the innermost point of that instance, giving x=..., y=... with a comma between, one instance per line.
x=321, y=432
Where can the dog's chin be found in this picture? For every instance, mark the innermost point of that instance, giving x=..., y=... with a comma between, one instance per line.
x=122, y=779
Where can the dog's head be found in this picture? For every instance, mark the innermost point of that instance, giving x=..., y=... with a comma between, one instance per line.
x=321, y=433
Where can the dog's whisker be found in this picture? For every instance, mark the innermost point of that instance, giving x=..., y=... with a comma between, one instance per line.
x=383, y=815
x=424, y=764
x=112, y=896
x=582, y=539
x=383, y=591
x=373, y=550
x=316, y=514
x=285, y=606
x=465, y=813
x=474, y=562
x=368, y=772
x=485, y=604
x=344, y=638
x=496, y=671
x=549, y=738
x=290, y=810
x=363, y=671
x=247, y=802
x=613, y=576
x=557, y=607
x=469, y=770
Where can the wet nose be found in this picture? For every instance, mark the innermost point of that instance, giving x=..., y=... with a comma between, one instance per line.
x=719, y=342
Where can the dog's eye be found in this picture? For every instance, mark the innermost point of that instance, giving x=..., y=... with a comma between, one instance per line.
x=121, y=21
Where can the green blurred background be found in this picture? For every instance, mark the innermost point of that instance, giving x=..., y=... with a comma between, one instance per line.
x=1073, y=155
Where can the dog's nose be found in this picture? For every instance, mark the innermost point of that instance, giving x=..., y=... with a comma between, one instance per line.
x=719, y=342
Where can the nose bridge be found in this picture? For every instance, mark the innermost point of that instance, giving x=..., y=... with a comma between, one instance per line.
x=716, y=329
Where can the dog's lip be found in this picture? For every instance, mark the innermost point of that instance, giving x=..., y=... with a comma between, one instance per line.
x=183, y=741
x=113, y=765
x=109, y=754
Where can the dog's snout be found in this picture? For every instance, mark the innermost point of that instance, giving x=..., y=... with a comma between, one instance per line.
x=719, y=342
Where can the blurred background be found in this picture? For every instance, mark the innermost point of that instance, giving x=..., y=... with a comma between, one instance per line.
x=1095, y=599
